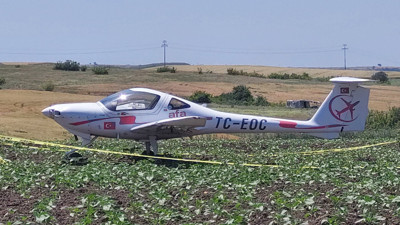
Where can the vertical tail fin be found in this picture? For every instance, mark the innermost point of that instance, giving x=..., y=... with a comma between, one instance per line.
x=346, y=106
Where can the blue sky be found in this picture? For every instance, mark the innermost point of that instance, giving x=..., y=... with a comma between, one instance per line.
x=218, y=32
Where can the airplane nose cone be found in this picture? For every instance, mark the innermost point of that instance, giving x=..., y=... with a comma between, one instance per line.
x=48, y=112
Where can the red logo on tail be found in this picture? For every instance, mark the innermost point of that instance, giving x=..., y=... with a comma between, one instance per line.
x=340, y=108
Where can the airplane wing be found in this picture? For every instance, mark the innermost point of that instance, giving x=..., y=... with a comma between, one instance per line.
x=171, y=126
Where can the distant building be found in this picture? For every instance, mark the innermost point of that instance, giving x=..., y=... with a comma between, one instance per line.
x=302, y=104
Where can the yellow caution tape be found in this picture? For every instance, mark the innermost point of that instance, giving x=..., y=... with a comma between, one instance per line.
x=317, y=152
x=2, y=161
x=15, y=139
x=345, y=149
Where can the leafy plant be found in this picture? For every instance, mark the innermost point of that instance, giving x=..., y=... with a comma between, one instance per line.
x=2, y=81
x=200, y=97
x=380, y=76
x=68, y=65
x=232, y=71
x=239, y=95
x=285, y=76
x=298, y=183
x=199, y=70
x=384, y=119
x=166, y=69
x=100, y=70
x=261, y=101
x=48, y=86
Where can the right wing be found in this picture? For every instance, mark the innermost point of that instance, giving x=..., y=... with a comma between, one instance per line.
x=171, y=126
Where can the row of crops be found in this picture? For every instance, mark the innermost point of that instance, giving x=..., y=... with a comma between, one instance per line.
x=298, y=184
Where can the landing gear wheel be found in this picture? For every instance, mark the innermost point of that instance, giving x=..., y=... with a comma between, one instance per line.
x=145, y=152
x=74, y=158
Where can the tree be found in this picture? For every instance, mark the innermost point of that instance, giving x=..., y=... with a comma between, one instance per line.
x=242, y=93
x=200, y=97
x=380, y=76
x=2, y=81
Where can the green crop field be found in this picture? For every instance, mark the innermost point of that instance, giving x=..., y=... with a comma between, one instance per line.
x=296, y=184
x=242, y=179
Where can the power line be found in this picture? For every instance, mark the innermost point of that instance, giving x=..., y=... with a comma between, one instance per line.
x=254, y=52
x=80, y=53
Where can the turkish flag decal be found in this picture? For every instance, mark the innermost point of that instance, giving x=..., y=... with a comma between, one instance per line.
x=109, y=125
x=344, y=90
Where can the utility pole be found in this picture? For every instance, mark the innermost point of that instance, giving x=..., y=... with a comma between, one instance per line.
x=164, y=45
x=344, y=54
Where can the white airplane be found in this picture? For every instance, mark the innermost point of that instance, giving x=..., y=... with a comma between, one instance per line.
x=148, y=116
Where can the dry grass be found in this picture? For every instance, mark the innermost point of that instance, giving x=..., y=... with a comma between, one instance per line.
x=266, y=70
x=20, y=113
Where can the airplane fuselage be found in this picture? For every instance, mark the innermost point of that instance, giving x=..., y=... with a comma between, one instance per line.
x=148, y=115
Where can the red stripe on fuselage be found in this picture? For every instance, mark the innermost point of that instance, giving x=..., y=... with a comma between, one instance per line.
x=123, y=120
x=292, y=125
x=287, y=124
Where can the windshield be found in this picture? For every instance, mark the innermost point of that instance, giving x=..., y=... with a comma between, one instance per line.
x=130, y=100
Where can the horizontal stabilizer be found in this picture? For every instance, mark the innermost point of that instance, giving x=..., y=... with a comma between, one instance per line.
x=348, y=80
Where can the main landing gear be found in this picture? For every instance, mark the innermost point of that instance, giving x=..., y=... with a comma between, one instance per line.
x=151, y=146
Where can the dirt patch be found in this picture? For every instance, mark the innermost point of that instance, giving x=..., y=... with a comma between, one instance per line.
x=16, y=207
x=71, y=198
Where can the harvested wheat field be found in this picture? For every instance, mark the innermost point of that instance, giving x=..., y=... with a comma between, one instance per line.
x=20, y=113
x=266, y=70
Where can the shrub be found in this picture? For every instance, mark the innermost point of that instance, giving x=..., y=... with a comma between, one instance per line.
x=239, y=95
x=100, y=70
x=380, y=76
x=166, y=69
x=323, y=79
x=261, y=101
x=83, y=68
x=383, y=119
x=200, y=97
x=2, y=81
x=199, y=70
x=242, y=93
x=48, y=86
x=68, y=65
x=232, y=71
x=285, y=76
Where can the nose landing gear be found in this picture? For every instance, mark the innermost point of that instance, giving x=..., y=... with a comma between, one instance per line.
x=74, y=158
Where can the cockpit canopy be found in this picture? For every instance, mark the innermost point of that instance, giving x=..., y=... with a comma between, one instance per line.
x=130, y=100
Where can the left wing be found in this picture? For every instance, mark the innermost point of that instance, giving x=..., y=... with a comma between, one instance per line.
x=171, y=126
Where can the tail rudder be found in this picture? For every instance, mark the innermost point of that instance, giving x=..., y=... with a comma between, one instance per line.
x=346, y=106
